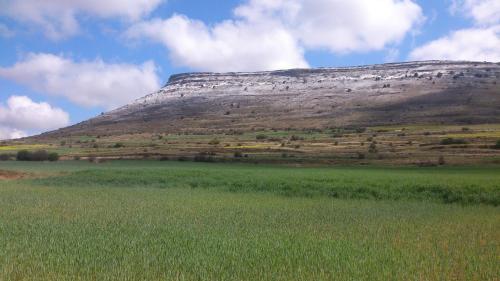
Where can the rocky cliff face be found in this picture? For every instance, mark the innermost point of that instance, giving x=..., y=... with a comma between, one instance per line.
x=405, y=93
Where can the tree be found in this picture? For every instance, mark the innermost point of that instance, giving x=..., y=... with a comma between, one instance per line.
x=53, y=157
x=23, y=155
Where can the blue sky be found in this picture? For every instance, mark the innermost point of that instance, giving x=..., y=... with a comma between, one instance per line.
x=62, y=62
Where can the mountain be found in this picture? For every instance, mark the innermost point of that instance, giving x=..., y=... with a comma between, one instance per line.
x=430, y=92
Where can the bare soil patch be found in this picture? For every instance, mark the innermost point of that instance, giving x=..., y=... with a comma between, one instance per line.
x=11, y=175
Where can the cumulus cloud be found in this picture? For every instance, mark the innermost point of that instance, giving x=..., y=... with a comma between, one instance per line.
x=338, y=25
x=7, y=133
x=272, y=34
x=21, y=114
x=87, y=83
x=481, y=42
x=483, y=12
x=474, y=44
x=228, y=46
x=58, y=18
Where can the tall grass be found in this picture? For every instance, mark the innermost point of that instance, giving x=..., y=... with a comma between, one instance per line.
x=464, y=185
x=96, y=233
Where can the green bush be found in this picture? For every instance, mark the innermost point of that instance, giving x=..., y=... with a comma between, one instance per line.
x=449, y=141
x=497, y=145
x=118, y=145
x=261, y=137
x=39, y=155
x=53, y=157
x=23, y=155
x=214, y=142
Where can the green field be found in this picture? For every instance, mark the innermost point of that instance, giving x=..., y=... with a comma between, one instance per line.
x=153, y=220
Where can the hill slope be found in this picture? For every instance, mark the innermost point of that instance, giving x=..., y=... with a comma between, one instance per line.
x=433, y=92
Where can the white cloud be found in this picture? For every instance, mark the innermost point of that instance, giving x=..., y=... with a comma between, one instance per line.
x=272, y=34
x=474, y=44
x=7, y=133
x=339, y=25
x=483, y=12
x=21, y=114
x=481, y=42
x=58, y=18
x=228, y=46
x=87, y=83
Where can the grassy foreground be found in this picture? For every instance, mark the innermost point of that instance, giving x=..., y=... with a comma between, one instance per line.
x=184, y=221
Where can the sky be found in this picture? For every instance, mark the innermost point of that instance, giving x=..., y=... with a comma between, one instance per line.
x=64, y=61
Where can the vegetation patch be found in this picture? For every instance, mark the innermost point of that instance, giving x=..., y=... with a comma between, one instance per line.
x=443, y=184
x=450, y=141
x=22, y=147
x=39, y=155
x=162, y=220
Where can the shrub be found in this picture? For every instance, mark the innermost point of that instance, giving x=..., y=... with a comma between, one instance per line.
x=53, y=157
x=214, y=142
x=261, y=137
x=23, y=155
x=118, y=145
x=497, y=145
x=238, y=154
x=449, y=141
x=39, y=155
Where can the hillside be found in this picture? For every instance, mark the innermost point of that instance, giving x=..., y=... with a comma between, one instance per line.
x=424, y=113
x=434, y=92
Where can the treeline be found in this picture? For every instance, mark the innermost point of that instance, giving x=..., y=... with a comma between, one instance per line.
x=26, y=155
x=39, y=155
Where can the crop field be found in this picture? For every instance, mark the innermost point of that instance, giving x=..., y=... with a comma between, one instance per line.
x=170, y=220
x=396, y=145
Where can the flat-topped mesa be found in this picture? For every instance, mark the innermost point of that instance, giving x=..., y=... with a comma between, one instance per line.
x=429, y=92
x=343, y=78
x=427, y=66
